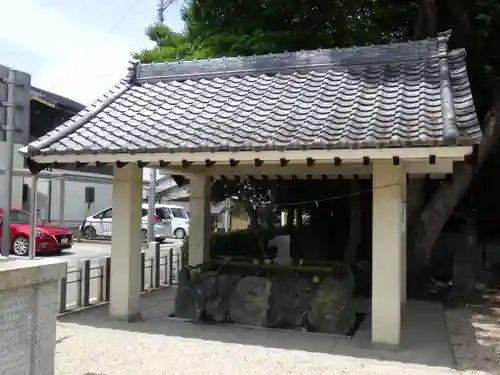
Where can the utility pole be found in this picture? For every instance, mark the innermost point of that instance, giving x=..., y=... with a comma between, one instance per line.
x=14, y=117
x=162, y=7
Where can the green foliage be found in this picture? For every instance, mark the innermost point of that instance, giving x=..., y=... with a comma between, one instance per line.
x=241, y=243
x=170, y=46
x=483, y=51
x=216, y=28
x=239, y=27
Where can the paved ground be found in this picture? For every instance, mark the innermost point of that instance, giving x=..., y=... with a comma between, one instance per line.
x=89, y=343
x=94, y=251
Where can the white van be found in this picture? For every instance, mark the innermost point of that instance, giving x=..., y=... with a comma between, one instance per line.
x=179, y=218
x=168, y=220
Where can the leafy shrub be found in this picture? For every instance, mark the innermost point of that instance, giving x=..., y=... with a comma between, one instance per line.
x=241, y=243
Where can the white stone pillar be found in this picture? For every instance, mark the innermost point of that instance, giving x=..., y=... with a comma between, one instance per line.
x=29, y=303
x=200, y=227
x=387, y=253
x=126, y=264
x=62, y=203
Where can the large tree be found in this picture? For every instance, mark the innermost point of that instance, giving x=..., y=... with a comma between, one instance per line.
x=246, y=27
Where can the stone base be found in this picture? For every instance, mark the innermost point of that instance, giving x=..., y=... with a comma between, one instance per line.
x=29, y=299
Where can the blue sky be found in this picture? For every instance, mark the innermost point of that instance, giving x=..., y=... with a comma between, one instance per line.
x=66, y=46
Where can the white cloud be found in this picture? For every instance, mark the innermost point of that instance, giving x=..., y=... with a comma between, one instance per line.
x=76, y=62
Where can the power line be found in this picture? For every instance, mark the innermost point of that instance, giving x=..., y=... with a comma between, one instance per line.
x=96, y=46
x=318, y=200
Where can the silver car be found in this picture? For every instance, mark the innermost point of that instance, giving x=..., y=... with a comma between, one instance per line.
x=100, y=225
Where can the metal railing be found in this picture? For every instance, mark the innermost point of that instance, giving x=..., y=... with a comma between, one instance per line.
x=89, y=284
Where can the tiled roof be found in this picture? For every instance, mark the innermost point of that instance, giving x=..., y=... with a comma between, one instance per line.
x=399, y=95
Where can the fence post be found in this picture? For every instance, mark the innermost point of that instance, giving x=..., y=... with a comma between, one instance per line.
x=62, y=298
x=79, y=284
x=155, y=247
x=105, y=279
x=85, y=282
x=178, y=266
x=143, y=263
x=165, y=269
x=170, y=262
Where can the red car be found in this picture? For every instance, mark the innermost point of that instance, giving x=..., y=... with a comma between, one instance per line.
x=49, y=238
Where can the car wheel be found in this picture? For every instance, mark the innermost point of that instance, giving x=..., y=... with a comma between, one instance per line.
x=180, y=233
x=89, y=233
x=20, y=246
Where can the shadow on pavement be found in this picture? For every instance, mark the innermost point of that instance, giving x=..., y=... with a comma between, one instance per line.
x=425, y=336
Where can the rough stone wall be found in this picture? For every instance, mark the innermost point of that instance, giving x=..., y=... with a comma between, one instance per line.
x=321, y=304
x=28, y=329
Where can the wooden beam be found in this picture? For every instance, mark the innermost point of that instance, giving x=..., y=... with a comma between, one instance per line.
x=80, y=164
x=294, y=156
x=186, y=164
x=284, y=162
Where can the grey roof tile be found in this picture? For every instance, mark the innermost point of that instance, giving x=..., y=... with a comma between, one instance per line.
x=376, y=96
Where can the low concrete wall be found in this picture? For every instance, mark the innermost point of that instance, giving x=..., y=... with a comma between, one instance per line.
x=29, y=296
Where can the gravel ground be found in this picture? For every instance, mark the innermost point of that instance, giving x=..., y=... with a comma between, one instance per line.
x=116, y=352
x=89, y=343
x=475, y=335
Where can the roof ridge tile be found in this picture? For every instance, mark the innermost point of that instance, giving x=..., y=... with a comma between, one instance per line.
x=411, y=51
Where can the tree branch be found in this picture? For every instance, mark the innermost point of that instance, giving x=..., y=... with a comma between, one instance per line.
x=437, y=211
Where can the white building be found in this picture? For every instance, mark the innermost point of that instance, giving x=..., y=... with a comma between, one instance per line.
x=61, y=193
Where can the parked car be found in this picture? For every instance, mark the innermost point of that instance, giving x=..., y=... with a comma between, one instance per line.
x=49, y=237
x=178, y=216
x=168, y=220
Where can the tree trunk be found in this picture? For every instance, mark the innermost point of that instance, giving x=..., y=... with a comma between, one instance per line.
x=440, y=207
x=351, y=251
x=299, y=212
x=290, y=213
x=254, y=224
x=461, y=25
x=426, y=23
x=416, y=198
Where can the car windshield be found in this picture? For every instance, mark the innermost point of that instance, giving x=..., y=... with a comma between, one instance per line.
x=19, y=217
x=179, y=212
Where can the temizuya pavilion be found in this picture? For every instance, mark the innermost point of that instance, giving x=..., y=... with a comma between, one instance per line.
x=388, y=111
